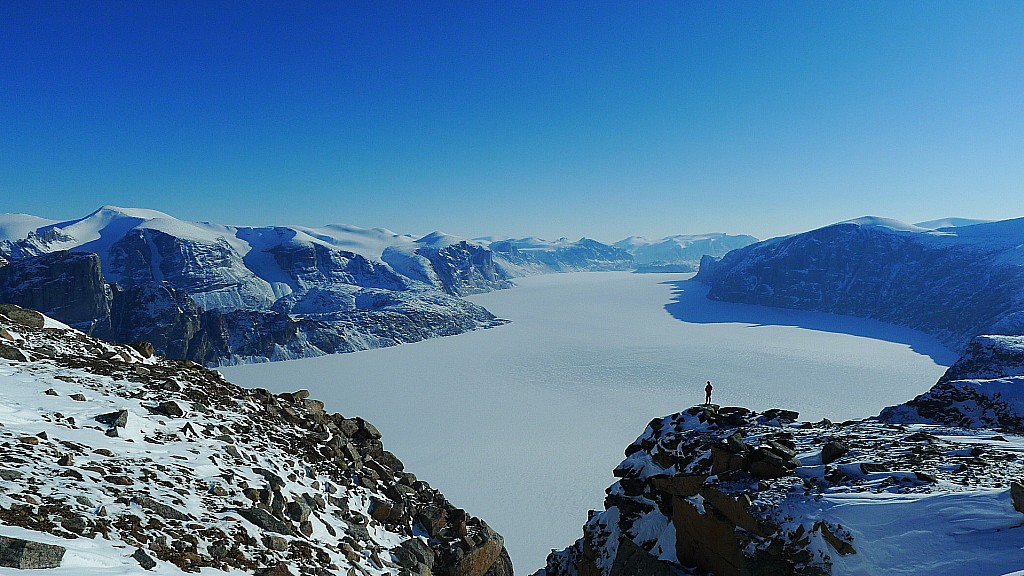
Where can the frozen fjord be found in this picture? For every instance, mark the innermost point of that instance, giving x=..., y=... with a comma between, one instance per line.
x=523, y=424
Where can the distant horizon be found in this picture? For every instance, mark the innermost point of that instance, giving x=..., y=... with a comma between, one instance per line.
x=571, y=119
x=421, y=232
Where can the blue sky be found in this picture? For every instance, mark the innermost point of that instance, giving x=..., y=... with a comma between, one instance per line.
x=515, y=118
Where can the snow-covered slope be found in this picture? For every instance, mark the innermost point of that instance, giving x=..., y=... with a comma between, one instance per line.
x=954, y=283
x=681, y=249
x=731, y=492
x=116, y=462
x=950, y=223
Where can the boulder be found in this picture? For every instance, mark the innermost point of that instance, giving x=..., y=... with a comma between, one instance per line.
x=479, y=558
x=169, y=408
x=160, y=508
x=143, y=559
x=832, y=451
x=631, y=560
x=298, y=511
x=433, y=518
x=9, y=352
x=265, y=520
x=27, y=555
x=117, y=419
x=413, y=553
x=280, y=569
x=1017, y=496
x=144, y=348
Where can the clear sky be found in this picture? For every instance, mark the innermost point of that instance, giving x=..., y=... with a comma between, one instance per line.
x=515, y=118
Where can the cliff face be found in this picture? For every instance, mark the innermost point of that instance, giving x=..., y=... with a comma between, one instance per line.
x=142, y=462
x=68, y=284
x=954, y=284
x=311, y=322
x=731, y=492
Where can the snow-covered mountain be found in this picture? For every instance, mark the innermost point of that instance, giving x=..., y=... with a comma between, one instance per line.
x=684, y=250
x=953, y=282
x=216, y=294
x=115, y=461
x=531, y=255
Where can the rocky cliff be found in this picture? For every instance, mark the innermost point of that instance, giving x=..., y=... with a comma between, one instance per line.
x=117, y=458
x=954, y=283
x=731, y=492
x=313, y=322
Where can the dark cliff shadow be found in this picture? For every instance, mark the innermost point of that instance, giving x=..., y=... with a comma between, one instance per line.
x=690, y=304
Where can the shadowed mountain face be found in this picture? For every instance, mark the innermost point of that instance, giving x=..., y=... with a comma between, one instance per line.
x=954, y=283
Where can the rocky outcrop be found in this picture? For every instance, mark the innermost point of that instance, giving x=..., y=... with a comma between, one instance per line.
x=170, y=460
x=732, y=492
x=954, y=284
x=983, y=389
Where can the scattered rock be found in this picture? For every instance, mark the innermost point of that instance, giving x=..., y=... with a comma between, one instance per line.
x=79, y=397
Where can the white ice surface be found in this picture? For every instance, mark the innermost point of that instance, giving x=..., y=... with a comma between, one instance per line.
x=523, y=424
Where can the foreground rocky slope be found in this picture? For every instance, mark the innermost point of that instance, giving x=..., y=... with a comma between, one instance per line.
x=954, y=283
x=116, y=461
x=728, y=491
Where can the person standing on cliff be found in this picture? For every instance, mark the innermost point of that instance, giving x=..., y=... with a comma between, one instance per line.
x=707, y=392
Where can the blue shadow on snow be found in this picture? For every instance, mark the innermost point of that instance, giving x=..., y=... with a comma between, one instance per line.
x=690, y=304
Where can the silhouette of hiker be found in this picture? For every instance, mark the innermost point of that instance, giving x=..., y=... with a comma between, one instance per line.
x=707, y=392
